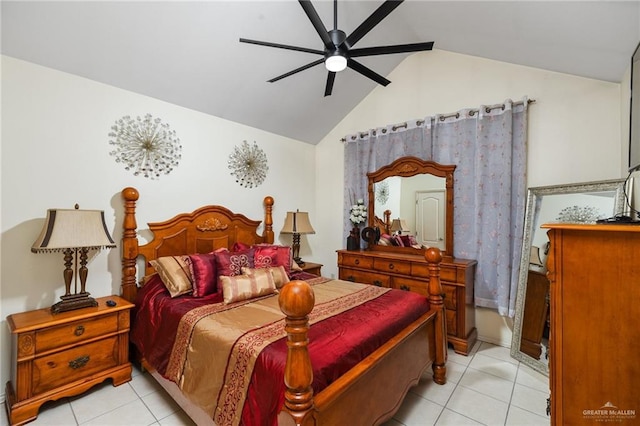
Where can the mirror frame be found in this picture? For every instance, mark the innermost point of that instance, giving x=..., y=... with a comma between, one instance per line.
x=533, y=198
x=407, y=167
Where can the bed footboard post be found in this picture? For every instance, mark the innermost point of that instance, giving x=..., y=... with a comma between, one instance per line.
x=268, y=220
x=434, y=257
x=129, y=244
x=296, y=301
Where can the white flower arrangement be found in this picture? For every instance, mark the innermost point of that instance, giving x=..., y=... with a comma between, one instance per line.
x=358, y=212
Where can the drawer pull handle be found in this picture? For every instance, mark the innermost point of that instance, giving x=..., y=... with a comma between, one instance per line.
x=357, y=261
x=405, y=287
x=351, y=278
x=79, y=330
x=377, y=283
x=391, y=266
x=79, y=362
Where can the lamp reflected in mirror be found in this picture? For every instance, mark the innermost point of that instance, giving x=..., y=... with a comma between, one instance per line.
x=398, y=226
x=297, y=223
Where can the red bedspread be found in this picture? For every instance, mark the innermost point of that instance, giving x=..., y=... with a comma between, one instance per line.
x=336, y=344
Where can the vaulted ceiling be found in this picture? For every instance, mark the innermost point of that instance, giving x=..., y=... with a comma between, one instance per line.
x=188, y=53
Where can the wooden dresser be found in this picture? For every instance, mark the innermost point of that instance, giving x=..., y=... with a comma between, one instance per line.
x=594, y=272
x=60, y=355
x=408, y=271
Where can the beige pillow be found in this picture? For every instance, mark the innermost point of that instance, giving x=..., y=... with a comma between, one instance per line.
x=175, y=272
x=278, y=273
x=244, y=287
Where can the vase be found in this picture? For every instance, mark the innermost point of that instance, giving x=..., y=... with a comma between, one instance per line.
x=353, y=240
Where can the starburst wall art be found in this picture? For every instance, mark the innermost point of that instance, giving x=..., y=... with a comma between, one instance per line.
x=248, y=164
x=147, y=146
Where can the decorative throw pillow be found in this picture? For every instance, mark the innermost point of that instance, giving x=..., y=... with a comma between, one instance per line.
x=204, y=274
x=244, y=287
x=239, y=246
x=280, y=277
x=175, y=272
x=230, y=263
x=406, y=240
x=269, y=255
x=397, y=241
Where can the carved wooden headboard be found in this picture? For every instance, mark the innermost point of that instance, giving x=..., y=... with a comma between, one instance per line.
x=202, y=231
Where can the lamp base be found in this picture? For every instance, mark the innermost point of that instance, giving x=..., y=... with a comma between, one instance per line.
x=299, y=261
x=71, y=302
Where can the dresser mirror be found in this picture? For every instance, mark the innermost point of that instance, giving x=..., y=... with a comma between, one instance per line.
x=576, y=203
x=413, y=197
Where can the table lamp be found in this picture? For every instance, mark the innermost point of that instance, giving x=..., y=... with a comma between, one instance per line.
x=297, y=223
x=73, y=232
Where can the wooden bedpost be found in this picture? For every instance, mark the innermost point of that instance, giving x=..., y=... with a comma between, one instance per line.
x=129, y=244
x=296, y=301
x=268, y=220
x=434, y=257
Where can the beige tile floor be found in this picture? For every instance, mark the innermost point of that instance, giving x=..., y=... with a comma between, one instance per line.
x=487, y=387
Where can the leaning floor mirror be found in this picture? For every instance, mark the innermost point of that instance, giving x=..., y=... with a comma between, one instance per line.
x=576, y=203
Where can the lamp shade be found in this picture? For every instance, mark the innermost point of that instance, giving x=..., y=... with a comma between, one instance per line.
x=297, y=223
x=399, y=225
x=73, y=228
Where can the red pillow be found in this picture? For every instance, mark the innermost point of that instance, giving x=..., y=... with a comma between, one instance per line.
x=230, y=263
x=204, y=274
x=270, y=256
x=239, y=246
x=406, y=240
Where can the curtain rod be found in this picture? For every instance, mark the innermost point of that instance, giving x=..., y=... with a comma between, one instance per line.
x=443, y=117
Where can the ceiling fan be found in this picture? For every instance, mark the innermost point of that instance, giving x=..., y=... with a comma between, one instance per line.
x=338, y=50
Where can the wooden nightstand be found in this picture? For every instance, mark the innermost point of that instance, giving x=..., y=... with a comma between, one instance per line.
x=55, y=356
x=312, y=268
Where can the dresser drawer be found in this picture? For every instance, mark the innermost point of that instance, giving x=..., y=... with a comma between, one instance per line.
x=76, y=331
x=355, y=260
x=422, y=270
x=52, y=371
x=450, y=299
x=365, y=277
x=390, y=266
x=416, y=286
x=452, y=323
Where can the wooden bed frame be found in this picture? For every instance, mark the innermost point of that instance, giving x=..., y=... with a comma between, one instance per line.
x=377, y=385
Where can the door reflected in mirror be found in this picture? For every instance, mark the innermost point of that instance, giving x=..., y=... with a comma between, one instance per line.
x=576, y=203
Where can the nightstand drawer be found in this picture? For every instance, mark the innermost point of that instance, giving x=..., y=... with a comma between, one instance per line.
x=76, y=331
x=64, y=367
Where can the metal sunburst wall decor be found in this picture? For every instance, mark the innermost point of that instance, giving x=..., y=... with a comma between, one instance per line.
x=145, y=145
x=248, y=164
x=382, y=192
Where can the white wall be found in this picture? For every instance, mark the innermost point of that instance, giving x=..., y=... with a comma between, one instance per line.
x=55, y=153
x=574, y=132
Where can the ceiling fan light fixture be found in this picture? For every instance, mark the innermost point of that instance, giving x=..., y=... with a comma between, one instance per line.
x=335, y=62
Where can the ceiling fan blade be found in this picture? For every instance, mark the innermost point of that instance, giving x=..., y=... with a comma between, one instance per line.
x=282, y=46
x=331, y=77
x=367, y=72
x=386, y=50
x=317, y=23
x=380, y=13
x=297, y=70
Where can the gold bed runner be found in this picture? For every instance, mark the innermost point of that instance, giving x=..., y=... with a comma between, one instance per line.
x=214, y=354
